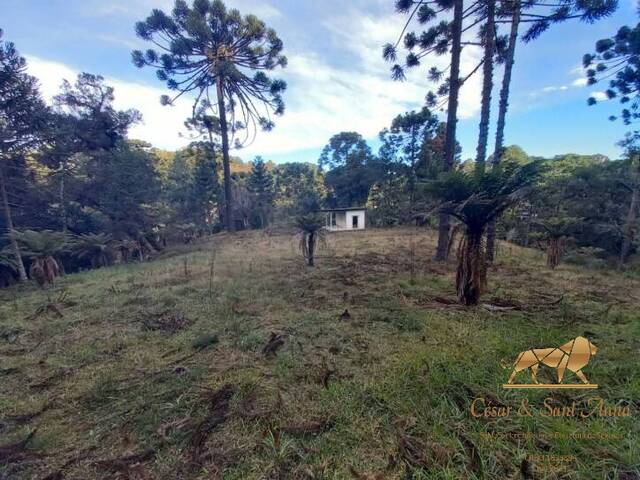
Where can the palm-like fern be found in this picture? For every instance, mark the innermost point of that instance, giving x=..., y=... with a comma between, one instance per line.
x=97, y=248
x=476, y=199
x=41, y=247
x=129, y=249
x=311, y=227
x=557, y=229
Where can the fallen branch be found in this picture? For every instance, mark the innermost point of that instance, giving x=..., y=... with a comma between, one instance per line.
x=122, y=464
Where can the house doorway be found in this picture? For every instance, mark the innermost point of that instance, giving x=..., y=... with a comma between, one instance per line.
x=354, y=221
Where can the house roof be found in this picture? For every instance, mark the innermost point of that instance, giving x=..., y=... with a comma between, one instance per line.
x=342, y=209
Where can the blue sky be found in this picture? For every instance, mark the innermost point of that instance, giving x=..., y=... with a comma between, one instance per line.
x=337, y=79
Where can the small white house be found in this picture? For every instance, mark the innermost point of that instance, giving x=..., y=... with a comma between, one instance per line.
x=339, y=219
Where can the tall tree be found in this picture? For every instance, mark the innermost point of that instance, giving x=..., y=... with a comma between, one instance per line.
x=205, y=189
x=445, y=37
x=631, y=222
x=22, y=116
x=403, y=143
x=207, y=47
x=260, y=185
x=85, y=121
x=539, y=15
x=512, y=8
x=352, y=169
x=618, y=59
x=206, y=128
x=488, y=40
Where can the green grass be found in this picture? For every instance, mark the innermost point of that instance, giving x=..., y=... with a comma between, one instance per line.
x=135, y=360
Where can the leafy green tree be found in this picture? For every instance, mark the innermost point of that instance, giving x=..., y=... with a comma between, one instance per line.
x=294, y=181
x=206, y=46
x=205, y=190
x=431, y=160
x=260, y=185
x=403, y=143
x=122, y=185
x=84, y=121
x=22, y=118
x=352, y=169
x=178, y=187
x=475, y=198
x=387, y=201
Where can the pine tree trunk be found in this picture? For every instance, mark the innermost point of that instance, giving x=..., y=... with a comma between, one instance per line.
x=452, y=119
x=215, y=169
x=487, y=86
x=63, y=199
x=22, y=273
x=502, y=114
x=470, y=276
x=412, y=173
x=632, y=215
x=228, y=194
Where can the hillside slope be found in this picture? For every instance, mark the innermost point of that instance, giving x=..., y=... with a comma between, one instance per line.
x=165, y=370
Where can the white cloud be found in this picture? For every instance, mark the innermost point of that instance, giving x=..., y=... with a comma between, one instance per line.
x=322, y=99
x=599, y=96
x=579, y=81
x=364, y=36
x=94, y=8
x=161, y=125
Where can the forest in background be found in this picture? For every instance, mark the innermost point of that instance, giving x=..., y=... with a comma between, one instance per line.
x=77, y=193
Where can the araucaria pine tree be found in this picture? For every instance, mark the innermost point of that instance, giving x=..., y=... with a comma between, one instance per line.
x=205, y=49
x=441, y=38
x=539, y=15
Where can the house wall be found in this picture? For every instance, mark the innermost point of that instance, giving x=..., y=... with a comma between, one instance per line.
x=344, y=220
x=349, y=219
x=341, y=221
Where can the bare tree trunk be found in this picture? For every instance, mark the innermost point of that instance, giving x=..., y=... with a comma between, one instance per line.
x=470, y=275
x=502, y=113
x=228, y=194
x=63, y=199
x=632, y=215
x=22, y=273
x=487, y=86
x=452, y=119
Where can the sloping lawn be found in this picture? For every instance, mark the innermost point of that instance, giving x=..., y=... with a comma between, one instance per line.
x=231, y=359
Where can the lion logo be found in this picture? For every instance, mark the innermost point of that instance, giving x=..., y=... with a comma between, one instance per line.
x=572, y=356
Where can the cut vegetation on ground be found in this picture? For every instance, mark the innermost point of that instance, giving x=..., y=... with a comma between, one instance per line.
x=233, y=359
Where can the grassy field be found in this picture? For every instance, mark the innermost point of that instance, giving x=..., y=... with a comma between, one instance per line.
x=231, y=359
